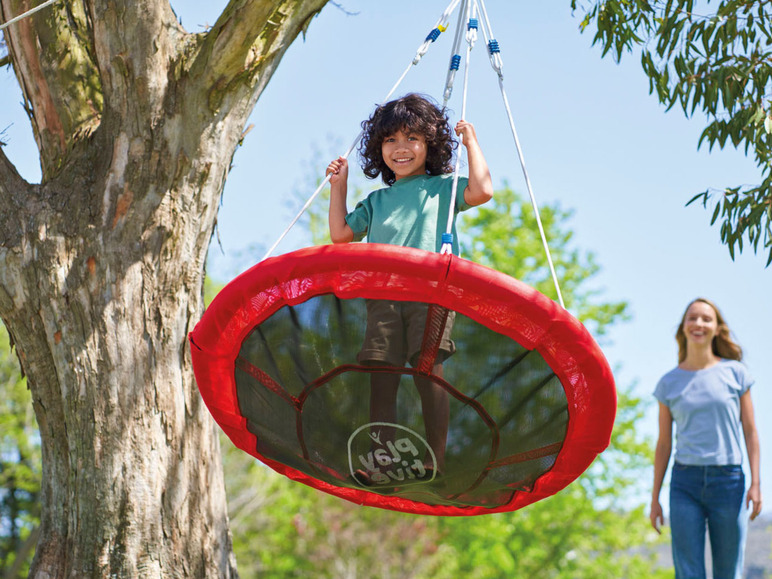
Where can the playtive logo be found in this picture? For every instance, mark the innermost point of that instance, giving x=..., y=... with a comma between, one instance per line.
x=398, y=460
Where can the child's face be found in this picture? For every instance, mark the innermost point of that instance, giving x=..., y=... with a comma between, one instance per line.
x=405, y=154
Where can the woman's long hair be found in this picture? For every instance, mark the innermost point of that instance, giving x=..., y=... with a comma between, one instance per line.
x=723, y=345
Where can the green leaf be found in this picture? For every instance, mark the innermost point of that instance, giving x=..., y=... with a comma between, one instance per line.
x=715, y=213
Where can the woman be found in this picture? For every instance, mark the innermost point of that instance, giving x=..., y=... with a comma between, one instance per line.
x=708, y=396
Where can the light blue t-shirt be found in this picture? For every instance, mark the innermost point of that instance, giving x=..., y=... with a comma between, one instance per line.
x=413, y=212
x=705, y=405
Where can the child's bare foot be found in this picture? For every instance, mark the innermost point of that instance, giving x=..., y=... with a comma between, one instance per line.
x=362, y=477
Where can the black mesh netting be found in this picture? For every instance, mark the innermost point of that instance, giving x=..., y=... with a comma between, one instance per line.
x=307, y=401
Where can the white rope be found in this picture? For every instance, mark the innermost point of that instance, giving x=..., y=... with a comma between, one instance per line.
x=311, y=199
x=454, y=53
x=471, y=38
x=497, y=66
x=495, y=57
x=439, y=27
x=27, y=13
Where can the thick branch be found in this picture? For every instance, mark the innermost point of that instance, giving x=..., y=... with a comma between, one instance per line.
x=53, y=61
x=248, y=41
x=12, y=188
x=135, y=43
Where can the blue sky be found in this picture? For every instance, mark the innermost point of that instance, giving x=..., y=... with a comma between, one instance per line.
x=594, y=140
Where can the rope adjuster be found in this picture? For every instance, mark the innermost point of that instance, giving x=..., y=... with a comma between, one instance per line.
x=434, y=34
x=455, y=62
x=447, y=238
x=493, y=46
x=472, y=24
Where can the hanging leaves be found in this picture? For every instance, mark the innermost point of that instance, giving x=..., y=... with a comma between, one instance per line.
x=714, y=57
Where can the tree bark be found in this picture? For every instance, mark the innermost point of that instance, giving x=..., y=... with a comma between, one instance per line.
x=102, y=266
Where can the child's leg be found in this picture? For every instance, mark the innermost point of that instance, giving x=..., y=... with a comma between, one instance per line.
x=383, y=403
x=383, y=346
x=383, y=409
x=435, y=405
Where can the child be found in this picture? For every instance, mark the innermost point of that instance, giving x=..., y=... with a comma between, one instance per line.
x=409, y=144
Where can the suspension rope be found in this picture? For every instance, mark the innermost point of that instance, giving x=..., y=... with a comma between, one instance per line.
x=26, y=14
x=439, y=28
x=497, y=64
x=455, y=57
x=471, y=38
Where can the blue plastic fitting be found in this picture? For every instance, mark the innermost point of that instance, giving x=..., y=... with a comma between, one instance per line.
x=447, y=238
x=493, y=46
x=472, y=24
x=455, y=62
x=434, y=34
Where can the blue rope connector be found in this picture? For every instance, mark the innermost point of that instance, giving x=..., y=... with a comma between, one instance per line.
x=493, y=46
x=447, y=238
x=434, y=34
x=455, y=62
x=472, y=24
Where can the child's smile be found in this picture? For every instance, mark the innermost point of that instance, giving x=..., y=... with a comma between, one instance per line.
x=405, y=154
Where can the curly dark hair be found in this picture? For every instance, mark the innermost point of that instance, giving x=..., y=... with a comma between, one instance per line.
x=413, y=113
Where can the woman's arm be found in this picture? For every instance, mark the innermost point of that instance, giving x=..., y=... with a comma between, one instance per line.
x=340, y=232
x=479, y=190
x=661, y=460
x=754, y=452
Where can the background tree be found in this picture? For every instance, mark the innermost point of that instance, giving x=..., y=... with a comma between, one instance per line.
x=19, y=468
x=715, y=57
x=101, y=268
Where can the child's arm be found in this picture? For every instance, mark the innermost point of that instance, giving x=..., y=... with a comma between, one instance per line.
x=480, y=187
x=340, y=232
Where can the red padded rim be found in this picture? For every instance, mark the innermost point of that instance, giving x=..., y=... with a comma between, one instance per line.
x=369, y=270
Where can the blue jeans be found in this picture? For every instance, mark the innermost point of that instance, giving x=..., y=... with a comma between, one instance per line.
x=713, y=495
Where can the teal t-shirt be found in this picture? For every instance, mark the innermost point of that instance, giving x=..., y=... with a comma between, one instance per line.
x=413, y=212
x=705, y=405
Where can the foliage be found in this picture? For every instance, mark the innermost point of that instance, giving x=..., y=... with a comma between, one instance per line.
x=594, y=528
x=717, y=62
x=20, y=468
x=284, y=529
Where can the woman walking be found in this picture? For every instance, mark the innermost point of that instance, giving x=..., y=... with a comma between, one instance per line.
x=708, y=397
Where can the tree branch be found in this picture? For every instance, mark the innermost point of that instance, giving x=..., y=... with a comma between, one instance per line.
x=134, y=44
x=23, y=553
x=247, y=42
x=53, y=60
x=12, y=185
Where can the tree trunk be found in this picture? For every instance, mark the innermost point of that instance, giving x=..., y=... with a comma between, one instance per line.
x=102, y=265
